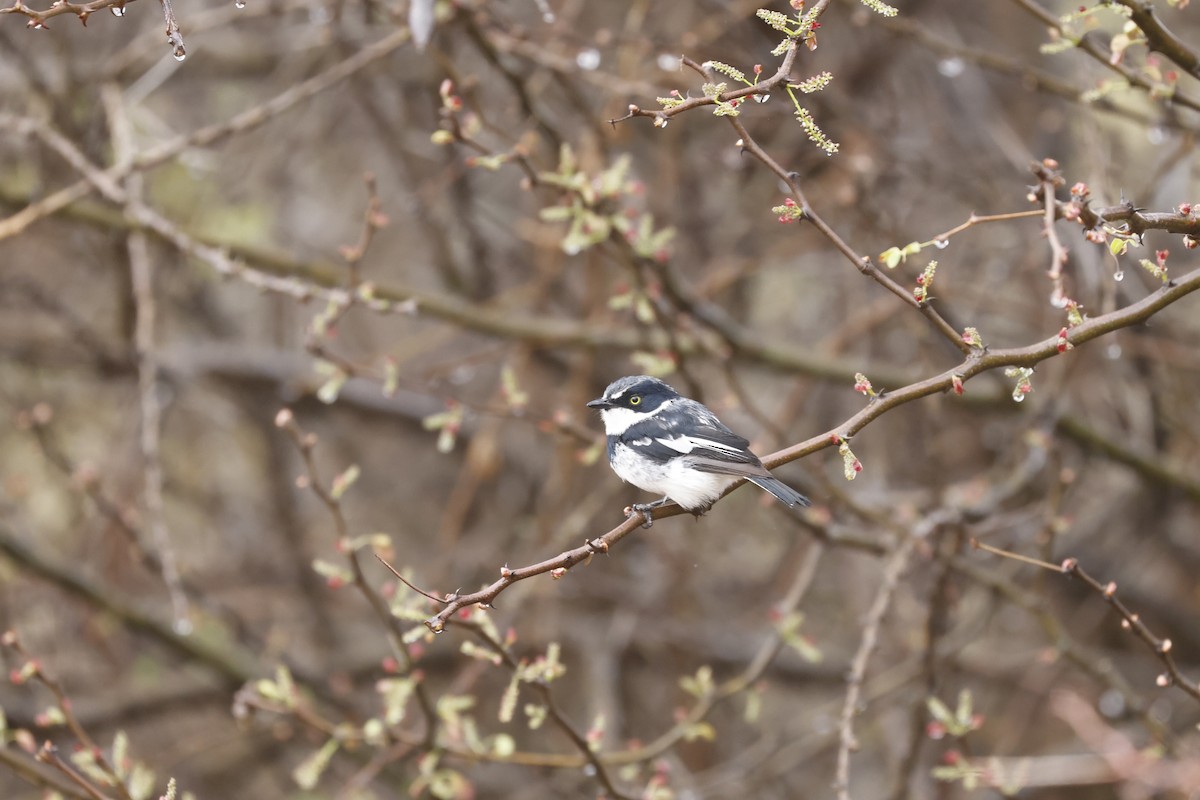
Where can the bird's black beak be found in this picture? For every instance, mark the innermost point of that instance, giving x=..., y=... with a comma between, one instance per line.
x=599, y=403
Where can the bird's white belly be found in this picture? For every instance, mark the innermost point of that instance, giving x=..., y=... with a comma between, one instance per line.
x=687, y=486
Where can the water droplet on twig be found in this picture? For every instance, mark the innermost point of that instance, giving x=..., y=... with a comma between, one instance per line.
x=1119, y=275
x=239, y=3
x=668, y=62
x=588, y=59
x=941, y=244
x=175, y=40
x=117, y=11
x=951, y=67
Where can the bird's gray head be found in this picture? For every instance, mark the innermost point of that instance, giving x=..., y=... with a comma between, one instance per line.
x=630, y=399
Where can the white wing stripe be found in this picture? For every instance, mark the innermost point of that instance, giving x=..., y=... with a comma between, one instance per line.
x=681, y=444
x=686, y=444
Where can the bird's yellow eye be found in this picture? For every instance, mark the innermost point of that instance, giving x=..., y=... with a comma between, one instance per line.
x=636, y=400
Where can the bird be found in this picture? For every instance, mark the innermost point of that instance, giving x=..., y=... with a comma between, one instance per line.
x=671, y=445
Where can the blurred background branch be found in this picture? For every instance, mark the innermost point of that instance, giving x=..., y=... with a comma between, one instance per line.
x=186, y=249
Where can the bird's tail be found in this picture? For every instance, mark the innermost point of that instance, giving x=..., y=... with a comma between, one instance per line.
x=786, y=494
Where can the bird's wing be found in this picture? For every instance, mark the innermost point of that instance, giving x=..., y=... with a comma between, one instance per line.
x=743, y=465
x=696, y=433
x=714, y=448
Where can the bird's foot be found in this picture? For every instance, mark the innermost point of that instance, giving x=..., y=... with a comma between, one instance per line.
x=645, y=510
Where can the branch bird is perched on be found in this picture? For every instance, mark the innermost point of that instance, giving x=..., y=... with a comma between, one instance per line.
x=665, y=443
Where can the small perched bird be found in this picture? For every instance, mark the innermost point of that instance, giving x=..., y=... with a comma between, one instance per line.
x=665, y=443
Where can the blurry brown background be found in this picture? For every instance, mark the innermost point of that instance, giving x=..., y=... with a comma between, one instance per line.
x=938, y=113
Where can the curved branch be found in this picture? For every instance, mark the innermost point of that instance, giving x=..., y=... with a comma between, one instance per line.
x=1130, y=620
x=977, y=362
x=81, y=10
x=862, y=263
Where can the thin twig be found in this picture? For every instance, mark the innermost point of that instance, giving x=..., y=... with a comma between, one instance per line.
x=211, y=134
x=174, y=37
x=306, y=444
x=37, y=19
x=14, y=759
x=1037, y=562
x=1102, y=55
x=979, y=361
x=1022, y=69
x=728, y=689
x=1050, y=179
x=1130, y=620
x=888, y=582
x=983, y=219
x=409, y=583
x=142, y=280
x=555, y=713
x=763, y=87
x=1061, y=638
x=48, y=754
x=1160, y=39
x=35, y=671
x=862, y=263
x=231, y=664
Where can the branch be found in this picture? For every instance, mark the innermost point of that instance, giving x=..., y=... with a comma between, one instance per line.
x=858, y=666
x=555, y=713
x=48, y=754
x=763, y=87
x=1161, y=39
x=20, y=767
x=305, y=280
x=1050, y=179
x=747, y=143
x=231, y=665
x=174, y=37
x=985, y=360
x=1136, y=220
x=1129, y=619
x=207, y=136
x=557, y=566
x=1021, y=69
x=305, y=444
x=145, y=310
x=1151, y=468
x=747, y=678
x=1102, y=55
x=1091, y=663
x=862, y=263
x=977, y=362
x=37, y=19
x=32, y=670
